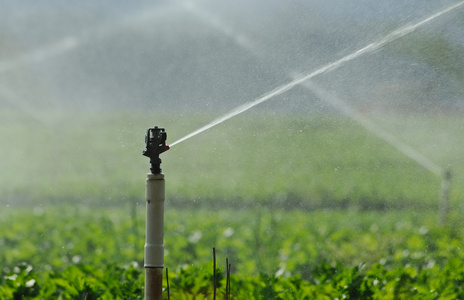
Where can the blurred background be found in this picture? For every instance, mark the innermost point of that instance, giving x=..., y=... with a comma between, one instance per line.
x=81, y=82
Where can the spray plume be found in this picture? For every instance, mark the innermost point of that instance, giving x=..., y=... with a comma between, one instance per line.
x=372, y=127
x=70, y=43
x=251, y=46
x=394, y=35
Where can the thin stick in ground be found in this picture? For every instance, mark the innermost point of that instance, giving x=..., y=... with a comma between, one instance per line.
x=167, y=284
x=227, y=279
x=214, y=274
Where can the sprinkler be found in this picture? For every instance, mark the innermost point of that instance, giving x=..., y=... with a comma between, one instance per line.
x=155, y=140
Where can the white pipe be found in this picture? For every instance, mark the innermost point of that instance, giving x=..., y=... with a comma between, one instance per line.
x=154, y=247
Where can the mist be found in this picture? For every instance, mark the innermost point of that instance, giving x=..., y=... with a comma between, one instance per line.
x=166, y=60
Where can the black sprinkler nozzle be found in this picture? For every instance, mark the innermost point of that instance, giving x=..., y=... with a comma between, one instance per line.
x=155, y=140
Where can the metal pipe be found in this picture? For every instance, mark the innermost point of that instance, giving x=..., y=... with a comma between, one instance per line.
x=154, y=247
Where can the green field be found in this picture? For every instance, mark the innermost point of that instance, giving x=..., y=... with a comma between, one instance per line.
x=307, y=207
x=313, y=161
x=74, y=252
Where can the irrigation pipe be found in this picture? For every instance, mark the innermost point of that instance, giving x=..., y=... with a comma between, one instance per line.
x=154, y=246
x=155, y=140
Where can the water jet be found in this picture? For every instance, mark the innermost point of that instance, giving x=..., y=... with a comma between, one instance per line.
x=329, y=67
x=304, y=80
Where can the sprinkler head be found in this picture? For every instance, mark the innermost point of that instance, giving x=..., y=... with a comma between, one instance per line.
x=155, y=141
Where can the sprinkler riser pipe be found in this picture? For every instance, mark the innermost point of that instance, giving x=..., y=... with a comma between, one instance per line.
x=154, y=246
x=153, y=283
x=444, y=205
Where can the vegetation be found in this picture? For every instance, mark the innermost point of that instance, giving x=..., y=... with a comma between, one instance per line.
x=304, y=208
x=97, y=253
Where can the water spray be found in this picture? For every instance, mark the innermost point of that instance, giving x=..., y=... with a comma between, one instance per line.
x=371, y=126
x=155, y=140
x=302, y=78
x=69, y=43
x=251, y=46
